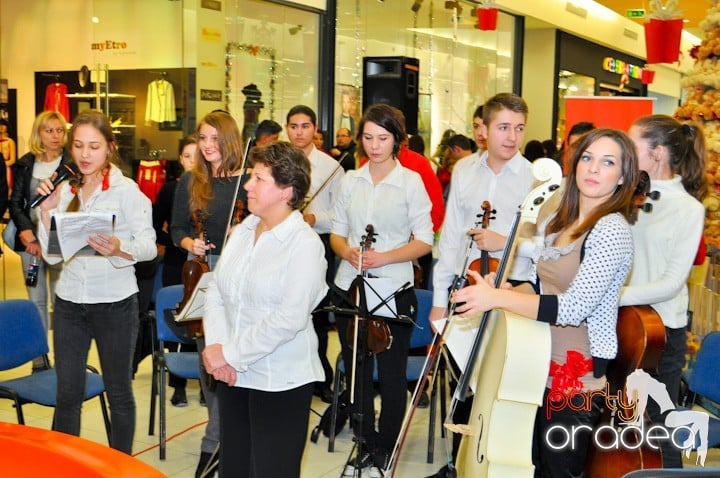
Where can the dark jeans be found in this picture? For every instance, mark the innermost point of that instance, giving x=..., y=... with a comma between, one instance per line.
x=563, y=463
x=114, y=327
x=392, y=374
x=262, y=434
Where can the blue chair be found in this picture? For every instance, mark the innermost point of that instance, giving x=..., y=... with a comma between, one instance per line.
x=181, y=364
x=702, y=378
x=23, y=338
x=422, y=336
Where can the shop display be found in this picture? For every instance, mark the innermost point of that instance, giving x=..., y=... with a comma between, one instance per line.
x=160, y=101
x=702, y=104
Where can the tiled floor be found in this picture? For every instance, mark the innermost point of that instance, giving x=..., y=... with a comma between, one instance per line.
x=186, y=425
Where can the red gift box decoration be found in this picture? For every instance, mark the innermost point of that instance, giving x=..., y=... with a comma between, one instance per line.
x=487, y=18
x=662, y=40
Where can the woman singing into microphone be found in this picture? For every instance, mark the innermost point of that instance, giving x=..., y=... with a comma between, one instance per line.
x=96, y=295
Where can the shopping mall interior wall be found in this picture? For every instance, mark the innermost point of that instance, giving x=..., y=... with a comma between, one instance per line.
x=538, y=82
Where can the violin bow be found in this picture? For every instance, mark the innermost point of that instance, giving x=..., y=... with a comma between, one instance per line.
x=243, y=168
x=322, y=186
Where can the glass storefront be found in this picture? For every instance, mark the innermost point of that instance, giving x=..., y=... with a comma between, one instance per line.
x=460, y=65
x=254, y=58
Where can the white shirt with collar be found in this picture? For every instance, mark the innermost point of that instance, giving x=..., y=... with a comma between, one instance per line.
x=397, y=207
x=260, y=301
x=472, y=183
x=94, y=279
x=322, y=167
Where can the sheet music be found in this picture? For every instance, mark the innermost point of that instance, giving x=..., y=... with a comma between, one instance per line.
x=377, y=289
x=74, y=228
x=459, y=338
x=195, y=306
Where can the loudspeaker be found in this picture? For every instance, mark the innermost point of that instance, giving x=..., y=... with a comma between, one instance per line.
x=393, y=80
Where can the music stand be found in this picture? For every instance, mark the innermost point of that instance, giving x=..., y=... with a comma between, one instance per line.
x=361, y=351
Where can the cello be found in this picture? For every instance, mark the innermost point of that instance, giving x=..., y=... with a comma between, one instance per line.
x=641, y=343
x=512, y=355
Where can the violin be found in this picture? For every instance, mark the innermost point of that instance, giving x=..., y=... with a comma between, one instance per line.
x=192, y=270
x=379, y=337
x=485, y=264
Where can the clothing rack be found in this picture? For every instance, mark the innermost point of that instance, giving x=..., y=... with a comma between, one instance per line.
x=52, y=75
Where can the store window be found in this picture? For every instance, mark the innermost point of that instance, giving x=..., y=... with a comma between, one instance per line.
x=460, y=65
x=271, y=61
x=570, y=84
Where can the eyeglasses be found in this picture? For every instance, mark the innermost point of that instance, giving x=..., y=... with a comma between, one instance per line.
x=342, y=135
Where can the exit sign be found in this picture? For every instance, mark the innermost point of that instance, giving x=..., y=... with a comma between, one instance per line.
x=635, y=13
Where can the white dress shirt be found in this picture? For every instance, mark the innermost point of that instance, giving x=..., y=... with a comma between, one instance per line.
x=94, y=279
x=322, y=167
x=260, y=300
x=397, y=207
x=472, y=183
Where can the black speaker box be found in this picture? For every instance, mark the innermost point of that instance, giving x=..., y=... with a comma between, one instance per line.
x=393, y=80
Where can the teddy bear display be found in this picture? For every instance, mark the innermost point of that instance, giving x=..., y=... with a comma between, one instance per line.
x=702, y=105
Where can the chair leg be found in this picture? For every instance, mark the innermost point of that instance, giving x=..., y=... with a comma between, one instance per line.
x=163, y=431
x=434, y=382
x=334, y=406
x=106, y=417
x=153, y=394
x=443, y=396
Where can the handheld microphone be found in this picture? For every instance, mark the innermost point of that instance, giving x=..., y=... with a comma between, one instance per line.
x=63, y=172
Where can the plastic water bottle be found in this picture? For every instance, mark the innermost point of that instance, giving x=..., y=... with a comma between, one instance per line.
x=31, y=279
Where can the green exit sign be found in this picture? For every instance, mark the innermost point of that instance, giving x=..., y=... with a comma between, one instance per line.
x=635, y=13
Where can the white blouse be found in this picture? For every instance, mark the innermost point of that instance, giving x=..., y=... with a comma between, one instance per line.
x=397, y=207
x=260, y=301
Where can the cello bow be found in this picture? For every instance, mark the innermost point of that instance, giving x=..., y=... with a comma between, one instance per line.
x=432, y=359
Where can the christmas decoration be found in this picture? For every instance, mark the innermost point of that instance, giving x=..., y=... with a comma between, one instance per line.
x=662, y=32
x=702, y=105
x=487, y=16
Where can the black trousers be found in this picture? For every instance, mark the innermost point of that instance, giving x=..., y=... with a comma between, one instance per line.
x=669, y=373
x=392, y=375
x=552, y=461
x=262, y=434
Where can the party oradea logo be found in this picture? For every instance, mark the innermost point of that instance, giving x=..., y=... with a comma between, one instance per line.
x=627, y=429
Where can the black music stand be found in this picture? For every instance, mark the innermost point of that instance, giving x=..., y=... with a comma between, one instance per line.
x=361, y=351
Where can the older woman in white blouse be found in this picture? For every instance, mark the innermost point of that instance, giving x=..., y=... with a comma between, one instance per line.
x=260, y=343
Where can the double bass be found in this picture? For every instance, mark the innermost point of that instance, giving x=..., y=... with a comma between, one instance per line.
x=512, y=355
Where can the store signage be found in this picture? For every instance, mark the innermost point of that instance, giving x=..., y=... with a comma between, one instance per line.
x=108, y=45
x=211, y=5
x=635, y=13
x=620, y=67
x=211, y=95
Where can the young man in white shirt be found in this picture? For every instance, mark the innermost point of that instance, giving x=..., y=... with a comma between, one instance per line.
x=497, y=173
x=325, y=177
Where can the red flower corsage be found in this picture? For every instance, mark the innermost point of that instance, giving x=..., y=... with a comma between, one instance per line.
x=566, y=377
